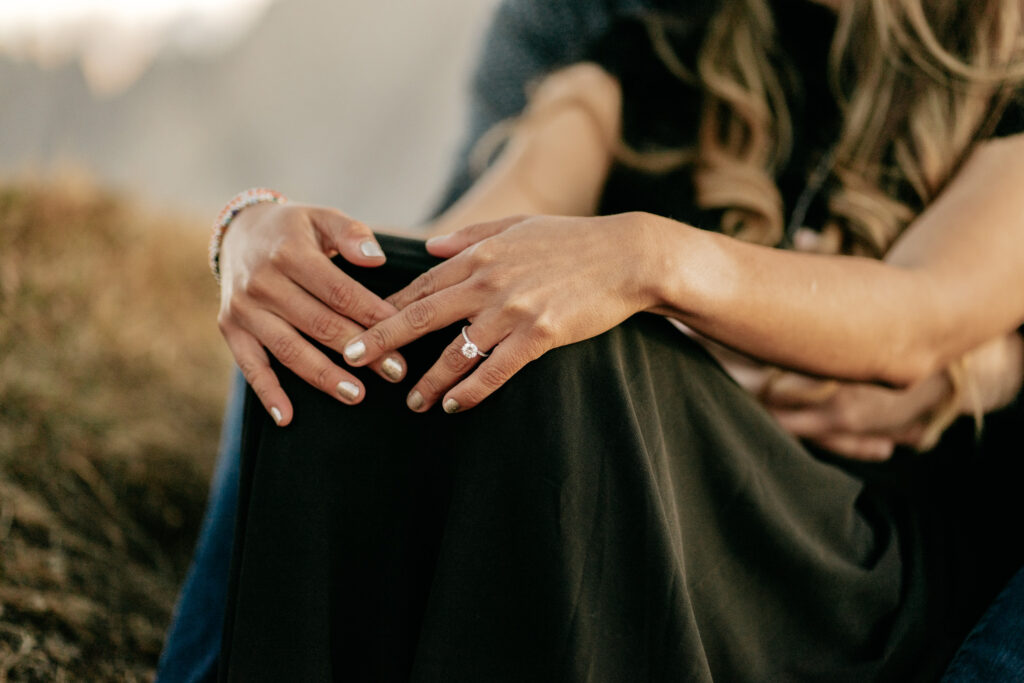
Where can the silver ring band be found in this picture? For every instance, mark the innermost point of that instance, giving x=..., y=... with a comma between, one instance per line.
x=469, y=349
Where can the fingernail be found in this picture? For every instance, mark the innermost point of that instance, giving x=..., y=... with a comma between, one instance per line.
x=435, y=240
x=371, y=249
x=355, y=350
x=451, y=406
x=276, y=414
x=392, y=368
x=348, y=390
x=414, y=400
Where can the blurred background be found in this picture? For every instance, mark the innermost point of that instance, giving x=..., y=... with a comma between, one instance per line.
x=184, y=102
x=124, y=127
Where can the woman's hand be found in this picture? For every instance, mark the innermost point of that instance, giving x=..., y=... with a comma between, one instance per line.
x=866, y=421
x=855, y=420
x=527, y=285
x=277, y=280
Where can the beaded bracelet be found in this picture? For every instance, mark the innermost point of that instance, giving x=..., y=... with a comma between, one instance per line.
x=242, y=200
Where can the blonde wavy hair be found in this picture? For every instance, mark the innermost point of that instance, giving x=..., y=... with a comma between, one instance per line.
x=918, y=84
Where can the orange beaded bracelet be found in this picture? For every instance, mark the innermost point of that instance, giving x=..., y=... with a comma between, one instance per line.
x=242, y=200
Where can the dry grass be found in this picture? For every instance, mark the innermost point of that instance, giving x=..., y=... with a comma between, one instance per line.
x=111, y=388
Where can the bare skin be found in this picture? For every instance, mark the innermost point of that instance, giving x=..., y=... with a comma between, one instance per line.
x=277, y=278
x=825, y=316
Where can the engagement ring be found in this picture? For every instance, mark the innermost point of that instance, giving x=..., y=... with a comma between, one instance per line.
x=469, y=349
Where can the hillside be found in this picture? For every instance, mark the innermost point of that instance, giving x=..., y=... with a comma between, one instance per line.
x=111, y=386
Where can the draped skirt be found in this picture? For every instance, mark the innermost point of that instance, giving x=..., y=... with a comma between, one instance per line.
x=621, y=510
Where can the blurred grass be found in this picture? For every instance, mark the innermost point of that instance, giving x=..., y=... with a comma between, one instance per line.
x=112, y=380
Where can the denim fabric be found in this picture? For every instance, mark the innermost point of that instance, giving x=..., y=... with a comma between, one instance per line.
x=994, y=651
x=193, y=641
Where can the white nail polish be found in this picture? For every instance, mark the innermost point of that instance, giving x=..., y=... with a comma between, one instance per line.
x=371, y=249
x=355, y=350
x=276, y=414
x=451, y=406
x=414, y=400
x=392, y=368
x=348, y=390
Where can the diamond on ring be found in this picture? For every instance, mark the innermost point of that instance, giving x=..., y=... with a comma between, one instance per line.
x=469, y=349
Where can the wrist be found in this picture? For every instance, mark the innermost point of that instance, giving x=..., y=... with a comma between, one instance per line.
x=239, y=203
x=672, y=286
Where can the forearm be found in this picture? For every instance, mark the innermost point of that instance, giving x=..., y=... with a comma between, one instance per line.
x=557, y=157
x=834, y=316
x=952, y=283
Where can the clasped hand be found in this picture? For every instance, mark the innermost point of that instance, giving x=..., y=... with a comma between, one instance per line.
x=526, y=286
x=521, y=288
x=277, y=279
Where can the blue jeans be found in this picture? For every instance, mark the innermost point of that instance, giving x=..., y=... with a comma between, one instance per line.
x=994, y=651
x=193, y=641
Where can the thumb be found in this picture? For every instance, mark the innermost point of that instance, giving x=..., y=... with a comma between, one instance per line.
x=348, y=237
x=446, y=246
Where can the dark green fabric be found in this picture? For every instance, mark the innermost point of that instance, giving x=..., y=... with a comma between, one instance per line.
x=620, y=511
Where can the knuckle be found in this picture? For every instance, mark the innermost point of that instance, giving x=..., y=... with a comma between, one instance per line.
x=472, y=396
x=249, y=370
x=431, y=386
x=341, y=296
x=262, y=387
x=420, y=314
x=254, y=286
x=518, y=308
x=286, y=349
x=260, y=285
x=425, y=284
x=492, y=376
x=540, y=333
x=484, y=286
x=544, y=327
x=371, y=316
x=281, y=256
x=454, y=361
x=380, y=337
x=322, y=378
x=482, y=254
x=325, y=326
x=262, y=383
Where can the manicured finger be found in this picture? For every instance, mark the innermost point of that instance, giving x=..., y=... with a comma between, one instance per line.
x=505, y=360
x=254, y=364
x=316, y=274
x=411, y=323
x=446, y=246
x=351, y=238
x=329, y=328
x=305, y=360
x=858, y=447
x=456, y=360
x=441, y=276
